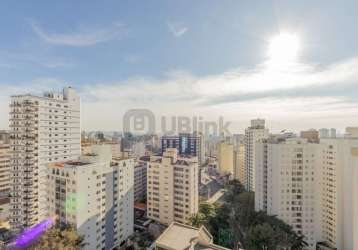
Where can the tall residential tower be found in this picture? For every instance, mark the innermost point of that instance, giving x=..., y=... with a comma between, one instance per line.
x=44, y=129
x=254, y=133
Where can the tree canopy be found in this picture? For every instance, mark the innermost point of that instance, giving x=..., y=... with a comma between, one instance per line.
x=235, y=223
x=57, y=238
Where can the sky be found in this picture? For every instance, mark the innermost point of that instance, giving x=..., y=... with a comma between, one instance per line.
x=185, y=58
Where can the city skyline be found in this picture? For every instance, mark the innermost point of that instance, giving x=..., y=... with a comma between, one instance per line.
x=146, y=55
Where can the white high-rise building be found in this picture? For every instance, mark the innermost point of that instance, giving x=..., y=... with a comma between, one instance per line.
x=287, y=185
x=94, y=194
x=172, y=187
x=254, y=133
x=339, y=189
x=312, y=187
x=44, y=129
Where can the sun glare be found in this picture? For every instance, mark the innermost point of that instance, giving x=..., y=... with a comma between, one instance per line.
x=284, y=48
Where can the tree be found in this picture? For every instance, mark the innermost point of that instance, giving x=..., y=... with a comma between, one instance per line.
x=298, y=242
x=261, y=237
x=233, y=188
x=197, y=220
x=207, y=209
x=205, y=213
x=59, y=238
x=247, y=228
x=219, y=223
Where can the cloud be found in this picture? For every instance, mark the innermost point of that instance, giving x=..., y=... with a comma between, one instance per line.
x=81, y=37
x=294, y=97
x=177, y=29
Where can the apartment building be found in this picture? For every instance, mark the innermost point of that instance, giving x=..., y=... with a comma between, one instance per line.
x=287, y=184
x=44, y=129
x=239, y=164
x=95, y=194
x=86, y=146
x=254, y=133
x=339, y=189
x=140, y=178
x=186, y=144
x=172, y=187
x=4, y=170
x=226, y=158
x=311, y=135
x=312, y=187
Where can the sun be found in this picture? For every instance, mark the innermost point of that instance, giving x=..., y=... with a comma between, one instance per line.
x=284, y=48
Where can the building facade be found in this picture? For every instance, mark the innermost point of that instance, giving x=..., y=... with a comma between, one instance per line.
x=312, y=187
x=43, y=130
x=254, y=133
x=4, y=170
x=339, y=188
x=292, y=190
x=239, y=164
x=94, y=194
x=186, y=144
x=172, y=187
x=226, y=158
x=140, y=178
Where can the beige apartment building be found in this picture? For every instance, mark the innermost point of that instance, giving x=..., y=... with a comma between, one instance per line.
x=239, y=164
x=226, y=158
x=172, y=187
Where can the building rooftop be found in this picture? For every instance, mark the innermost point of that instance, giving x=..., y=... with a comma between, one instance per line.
x=183, y=237
x=70, y=163
x=145, y=158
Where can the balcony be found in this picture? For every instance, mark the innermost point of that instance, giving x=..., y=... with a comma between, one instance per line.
x=14, y=111
x=15, y=104
x=30, y=110
x=15, y=118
